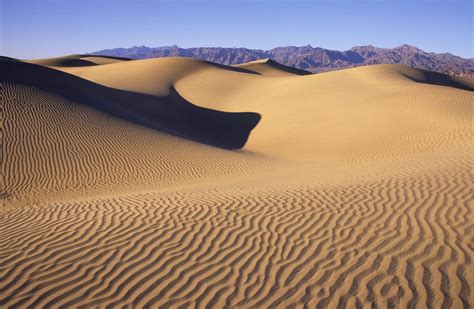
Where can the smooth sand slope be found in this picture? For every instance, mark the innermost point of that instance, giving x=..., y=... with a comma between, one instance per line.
x=124, y=185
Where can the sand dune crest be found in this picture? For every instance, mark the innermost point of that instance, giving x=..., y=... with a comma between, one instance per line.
x=270, y=67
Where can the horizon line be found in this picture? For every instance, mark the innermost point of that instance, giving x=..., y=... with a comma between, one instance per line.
x=299, y=46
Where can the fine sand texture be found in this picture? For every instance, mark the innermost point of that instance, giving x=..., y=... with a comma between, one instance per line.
x=178, y=183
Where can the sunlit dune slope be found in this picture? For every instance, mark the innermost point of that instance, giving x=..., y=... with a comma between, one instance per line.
x=298, y=111
x=353, y=189
x=154, y=76
x=366, y=111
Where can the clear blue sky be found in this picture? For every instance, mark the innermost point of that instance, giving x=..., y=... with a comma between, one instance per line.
x=44, y=28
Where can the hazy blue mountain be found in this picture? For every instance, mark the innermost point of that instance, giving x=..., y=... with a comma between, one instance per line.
x=310, y=58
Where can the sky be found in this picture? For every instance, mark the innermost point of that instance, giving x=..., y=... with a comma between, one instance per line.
x=46, y=28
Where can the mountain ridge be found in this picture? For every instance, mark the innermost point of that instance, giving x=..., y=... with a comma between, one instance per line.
x=314, y=59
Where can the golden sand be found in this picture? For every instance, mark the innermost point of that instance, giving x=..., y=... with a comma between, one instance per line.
x=123, y=187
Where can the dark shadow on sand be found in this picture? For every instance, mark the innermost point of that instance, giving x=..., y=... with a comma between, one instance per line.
x=288, y=69
x=171, y=114
x=439, y=79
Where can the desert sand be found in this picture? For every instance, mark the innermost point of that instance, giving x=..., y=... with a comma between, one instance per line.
x=175, y=182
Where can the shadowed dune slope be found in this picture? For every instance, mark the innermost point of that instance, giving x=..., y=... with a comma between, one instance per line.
x=169, y=113
x=434, y=78
x=77, y=60
x=354, y=190
x=58, y=148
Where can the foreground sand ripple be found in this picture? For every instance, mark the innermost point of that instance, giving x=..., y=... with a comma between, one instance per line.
x=396, y=241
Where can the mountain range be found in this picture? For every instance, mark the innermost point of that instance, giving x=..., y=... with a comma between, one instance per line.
x=314, y=59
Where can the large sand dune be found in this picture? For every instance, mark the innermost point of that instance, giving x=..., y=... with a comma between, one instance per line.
x=180, y=183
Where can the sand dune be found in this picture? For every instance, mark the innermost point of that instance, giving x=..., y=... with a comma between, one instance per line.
x=353, y=189
x=170, y=113
x=272, y=68
x=77, y=61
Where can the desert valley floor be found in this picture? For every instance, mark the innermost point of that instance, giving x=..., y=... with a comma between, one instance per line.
x=125, y=184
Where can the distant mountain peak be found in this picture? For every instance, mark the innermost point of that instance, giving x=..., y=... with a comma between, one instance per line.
x=315, y=59
x=408, y=47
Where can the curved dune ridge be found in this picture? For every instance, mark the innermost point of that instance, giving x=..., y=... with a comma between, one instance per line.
x=270, y=67
x=353, y=189
x=77, y=61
